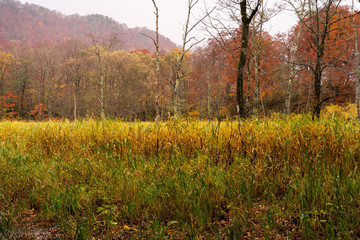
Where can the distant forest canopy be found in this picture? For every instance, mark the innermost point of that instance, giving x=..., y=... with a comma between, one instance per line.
x=33, y=24
x=47, y=70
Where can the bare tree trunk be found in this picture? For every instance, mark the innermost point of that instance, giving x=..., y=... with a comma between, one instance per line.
x=257, y=84
x=208, y=88
x=157, y=71
x=101, y=82
x=42, y=96
x=2, y=82
x=184, y=50
x=102, y=98
x=246, y=20
x=22, y=110
x=248, y=84
x=241, y=71
x=318, y=21
x=308, y=99
x=75, y=107
x=23, y=75
x=263, y=106
x=257, y=62
x=156, y=42
x=292, y=73
x=320, y=40
x=76, y=92
x=317, y=79
x=356, y=63
x=99, y=51
x=181, y=57
x=176, y=91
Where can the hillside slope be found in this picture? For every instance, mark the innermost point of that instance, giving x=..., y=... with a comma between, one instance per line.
x=33, y=24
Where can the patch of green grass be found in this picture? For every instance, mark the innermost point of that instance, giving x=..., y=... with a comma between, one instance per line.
x=279, y=177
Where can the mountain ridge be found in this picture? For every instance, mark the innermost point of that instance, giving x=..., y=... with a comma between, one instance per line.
x=34, y=24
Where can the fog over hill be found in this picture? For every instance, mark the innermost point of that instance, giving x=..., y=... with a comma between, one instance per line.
x=33, y=24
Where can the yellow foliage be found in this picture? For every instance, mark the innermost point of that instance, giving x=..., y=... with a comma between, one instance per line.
x=133, y=170
x=179, y=51
x=346, y=112
x=194, y=114
x=5, y=59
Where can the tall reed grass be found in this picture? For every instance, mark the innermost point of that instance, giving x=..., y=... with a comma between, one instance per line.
x=274, y=178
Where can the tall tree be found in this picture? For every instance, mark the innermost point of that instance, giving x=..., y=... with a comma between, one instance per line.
x=356, y=63
x=293, y=71
x=74, y=69
x=243, y=13
x=292, y=59
x=207, y=83
x=318, y=18
x=21, y=77
x=246, y=21
x=45, y=66
x=157, y=72
x=100, y=48
x=257, y=42
x=188, y=42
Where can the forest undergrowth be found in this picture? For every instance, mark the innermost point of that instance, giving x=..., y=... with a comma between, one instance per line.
x=275, y=178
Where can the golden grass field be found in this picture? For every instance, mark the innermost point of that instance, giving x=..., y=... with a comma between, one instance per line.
x=274, y=178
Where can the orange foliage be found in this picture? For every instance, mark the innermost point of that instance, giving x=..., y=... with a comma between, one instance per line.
x=37, y=110
x=338, y=59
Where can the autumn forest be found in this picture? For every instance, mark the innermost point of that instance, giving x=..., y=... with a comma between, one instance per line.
x=112, y=132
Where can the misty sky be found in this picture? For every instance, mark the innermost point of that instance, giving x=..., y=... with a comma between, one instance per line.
x=141, y=13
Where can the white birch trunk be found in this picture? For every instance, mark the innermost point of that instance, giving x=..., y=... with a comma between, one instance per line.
x=292, y=73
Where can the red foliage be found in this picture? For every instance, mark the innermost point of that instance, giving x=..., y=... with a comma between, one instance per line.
x=337, y=83
x=143, y=51
x=38, y=110
x=9, y=105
